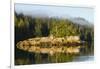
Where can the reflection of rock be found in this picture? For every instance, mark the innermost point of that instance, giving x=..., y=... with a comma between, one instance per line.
x=50, y=45
x=73, y=50
x=51, y=52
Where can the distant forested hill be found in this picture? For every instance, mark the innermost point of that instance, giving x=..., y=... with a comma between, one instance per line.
x=29, y=27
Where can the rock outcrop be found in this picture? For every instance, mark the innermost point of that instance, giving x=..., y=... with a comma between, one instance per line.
x=51, y=45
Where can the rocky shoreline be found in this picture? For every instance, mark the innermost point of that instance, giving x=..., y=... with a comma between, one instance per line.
x=51, y=45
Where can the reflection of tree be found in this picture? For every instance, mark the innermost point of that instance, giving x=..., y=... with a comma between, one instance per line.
x=89, y=40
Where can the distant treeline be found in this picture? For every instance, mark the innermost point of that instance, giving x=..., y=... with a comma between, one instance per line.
x=29, y=27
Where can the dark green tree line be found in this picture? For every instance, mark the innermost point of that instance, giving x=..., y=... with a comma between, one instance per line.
x=29, y=27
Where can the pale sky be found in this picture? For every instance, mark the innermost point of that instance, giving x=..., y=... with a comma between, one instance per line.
x=61, y=11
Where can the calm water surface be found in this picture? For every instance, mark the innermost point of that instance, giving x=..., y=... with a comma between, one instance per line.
x=26, y=58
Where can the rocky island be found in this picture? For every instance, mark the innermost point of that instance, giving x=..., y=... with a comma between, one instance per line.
x=51, y=45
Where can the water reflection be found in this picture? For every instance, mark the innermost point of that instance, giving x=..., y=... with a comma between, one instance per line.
x=26, y=58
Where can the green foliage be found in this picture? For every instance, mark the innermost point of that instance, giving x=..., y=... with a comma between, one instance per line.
x=27, y=27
